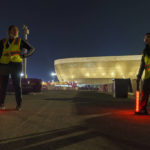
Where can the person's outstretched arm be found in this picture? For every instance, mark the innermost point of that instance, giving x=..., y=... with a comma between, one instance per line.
x=30, y=49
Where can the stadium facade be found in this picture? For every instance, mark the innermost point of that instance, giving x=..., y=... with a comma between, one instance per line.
x=97, y=70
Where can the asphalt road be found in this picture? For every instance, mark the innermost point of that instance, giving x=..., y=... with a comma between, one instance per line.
x=71, y=120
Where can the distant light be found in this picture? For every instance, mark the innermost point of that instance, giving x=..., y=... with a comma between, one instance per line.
x=21, y=74
x=43, y=83
x=112, y=73
x=123, y=76
x=87, y=74
x=53, y=74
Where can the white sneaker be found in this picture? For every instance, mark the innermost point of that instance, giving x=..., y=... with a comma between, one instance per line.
x=18, y=108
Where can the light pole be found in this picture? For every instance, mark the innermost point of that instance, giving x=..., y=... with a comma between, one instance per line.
x=26, y=33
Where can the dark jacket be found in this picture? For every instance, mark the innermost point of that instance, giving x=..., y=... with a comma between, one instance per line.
x=146, y=51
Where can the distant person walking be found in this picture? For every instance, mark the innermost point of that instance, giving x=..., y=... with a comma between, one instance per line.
x=11, y=57
x=145, y=65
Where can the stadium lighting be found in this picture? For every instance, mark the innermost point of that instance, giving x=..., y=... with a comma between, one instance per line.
x=87, y=74
x=53, y=74
x=103, y=74
x=112, y=73
x=21, y=74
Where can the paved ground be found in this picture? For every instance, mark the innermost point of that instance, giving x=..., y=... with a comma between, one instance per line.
x=70, y=120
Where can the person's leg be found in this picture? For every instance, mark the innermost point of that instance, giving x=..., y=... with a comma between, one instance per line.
x=3, y=88
x=145, y=95
x=144, y=99
x=17, y=85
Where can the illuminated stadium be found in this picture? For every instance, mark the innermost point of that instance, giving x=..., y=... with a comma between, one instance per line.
x=97, y=70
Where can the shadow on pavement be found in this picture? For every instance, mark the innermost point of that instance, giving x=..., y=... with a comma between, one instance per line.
x=93, y=102
x=121, y=133
x=121, y=127
x=48, y=140
x=59, y=99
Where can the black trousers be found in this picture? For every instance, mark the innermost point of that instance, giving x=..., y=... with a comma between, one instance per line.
x=15, y=70
x=145, y=94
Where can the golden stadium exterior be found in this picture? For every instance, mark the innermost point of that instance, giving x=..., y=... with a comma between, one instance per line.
x=97, y=70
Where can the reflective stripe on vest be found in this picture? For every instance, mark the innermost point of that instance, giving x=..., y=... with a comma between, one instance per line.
x=12, y=52
x=147, y=66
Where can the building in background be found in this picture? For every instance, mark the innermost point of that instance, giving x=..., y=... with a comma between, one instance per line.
x=97, y=70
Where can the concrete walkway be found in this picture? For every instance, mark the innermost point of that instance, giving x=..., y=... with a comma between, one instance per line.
x=71, y=120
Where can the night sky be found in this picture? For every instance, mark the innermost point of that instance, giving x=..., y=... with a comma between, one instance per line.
x=72, y=28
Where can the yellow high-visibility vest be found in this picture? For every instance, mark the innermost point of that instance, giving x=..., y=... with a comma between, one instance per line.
x=12, y=53
x=147, y=66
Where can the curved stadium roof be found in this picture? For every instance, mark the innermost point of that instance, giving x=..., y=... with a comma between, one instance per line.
x=97, y=68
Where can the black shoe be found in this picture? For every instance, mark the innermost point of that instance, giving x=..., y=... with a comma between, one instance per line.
x=18, y=108
x=142, y=112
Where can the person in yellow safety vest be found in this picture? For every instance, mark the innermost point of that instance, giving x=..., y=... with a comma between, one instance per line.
x=145, y=65
x=11, y=57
